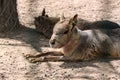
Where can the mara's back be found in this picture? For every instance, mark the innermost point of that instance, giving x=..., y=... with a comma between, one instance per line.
x=99, y=42
x=114, y=35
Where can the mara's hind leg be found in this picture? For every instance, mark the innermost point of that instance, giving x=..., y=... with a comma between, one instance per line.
x=115, y=51
x=47, y=58
x=35, y=55
x=115, y=55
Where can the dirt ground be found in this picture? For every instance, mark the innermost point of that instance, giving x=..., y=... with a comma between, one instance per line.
x=13, y=66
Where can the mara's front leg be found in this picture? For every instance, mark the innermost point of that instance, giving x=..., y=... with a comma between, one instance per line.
x=48, y=58
x=45, y=51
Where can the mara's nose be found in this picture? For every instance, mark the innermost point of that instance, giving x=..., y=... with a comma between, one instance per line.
x=52, y=41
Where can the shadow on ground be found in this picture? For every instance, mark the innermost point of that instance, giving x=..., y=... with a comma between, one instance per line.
x=27, y=35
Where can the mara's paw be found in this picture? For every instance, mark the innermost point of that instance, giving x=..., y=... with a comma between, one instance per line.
x=34, y=60
x=26, y=55
x=29, y=55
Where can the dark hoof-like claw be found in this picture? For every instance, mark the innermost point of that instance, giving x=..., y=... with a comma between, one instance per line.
x=27, y=55
x=34, y=60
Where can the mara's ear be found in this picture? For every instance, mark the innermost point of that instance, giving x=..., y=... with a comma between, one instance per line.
x=46, y=15
x=43, y=12
x=74, y=20
x=62, y=18
x=35, y=17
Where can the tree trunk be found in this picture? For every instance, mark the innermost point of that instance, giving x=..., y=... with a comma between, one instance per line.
x=8, y=16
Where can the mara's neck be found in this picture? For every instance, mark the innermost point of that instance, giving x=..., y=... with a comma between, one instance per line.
x=74, y=42
x=75, y=34
x=79, y=34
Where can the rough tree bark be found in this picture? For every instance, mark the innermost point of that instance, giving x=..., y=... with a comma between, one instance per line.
x=8, y=16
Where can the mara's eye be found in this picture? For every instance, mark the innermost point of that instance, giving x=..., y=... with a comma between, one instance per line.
x=65, y=32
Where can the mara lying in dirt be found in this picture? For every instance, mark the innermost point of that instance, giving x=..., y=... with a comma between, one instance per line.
x=68, y=43
x=45, y=24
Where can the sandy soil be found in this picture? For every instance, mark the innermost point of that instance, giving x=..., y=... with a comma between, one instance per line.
x=13, y=66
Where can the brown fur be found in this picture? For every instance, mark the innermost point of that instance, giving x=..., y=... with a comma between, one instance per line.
x=45, y=24
x=75, y=44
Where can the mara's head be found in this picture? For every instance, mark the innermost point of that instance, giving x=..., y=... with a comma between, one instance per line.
x=63, y=31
